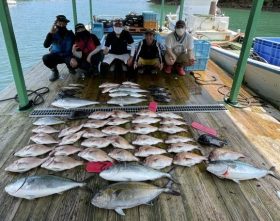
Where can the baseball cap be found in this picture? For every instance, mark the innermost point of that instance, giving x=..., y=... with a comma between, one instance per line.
x=62, y=18
x=149, y=31
x=79, y=26
x=180, y=24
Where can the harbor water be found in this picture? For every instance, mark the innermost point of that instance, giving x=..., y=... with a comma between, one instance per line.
x=32, y=19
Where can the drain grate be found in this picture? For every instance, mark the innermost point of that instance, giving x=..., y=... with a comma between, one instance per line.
x=130, y=109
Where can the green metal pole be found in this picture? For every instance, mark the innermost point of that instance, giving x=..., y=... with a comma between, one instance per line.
x=161, y=15
x=90, y=10
x=11, y=46
x=245, y=50
x=74, y=12
x=181, y=9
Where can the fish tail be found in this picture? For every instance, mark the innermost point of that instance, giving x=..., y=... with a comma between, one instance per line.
x=169, y=189
x=170, y=175
x=272, y=172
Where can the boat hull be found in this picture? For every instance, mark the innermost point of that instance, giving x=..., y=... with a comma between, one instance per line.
x=262, y=78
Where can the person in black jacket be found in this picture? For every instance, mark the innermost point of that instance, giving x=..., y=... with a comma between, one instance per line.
x=60, y=41
x=148, y=54
x=86, y=50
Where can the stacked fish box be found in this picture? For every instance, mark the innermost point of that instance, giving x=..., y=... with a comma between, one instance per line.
x=150, y=20
x=201, y=51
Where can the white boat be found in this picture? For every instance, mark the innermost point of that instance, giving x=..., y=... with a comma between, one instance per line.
x=11, y=2
x=261, y=77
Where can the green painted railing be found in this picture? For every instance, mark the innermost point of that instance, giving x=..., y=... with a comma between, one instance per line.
x=245, y=50
x=181, y=9
x=12, y=49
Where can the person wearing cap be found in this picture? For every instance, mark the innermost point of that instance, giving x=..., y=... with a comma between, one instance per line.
x=148, y=53
x=60, y=41
x=116, y=47
x=86, y=50
x=179, y=49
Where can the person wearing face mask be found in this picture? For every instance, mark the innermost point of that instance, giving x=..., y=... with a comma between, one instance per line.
x=59, y=41
x=116, y=48
x=148, y=54
x=179, y=49
x=86, y=50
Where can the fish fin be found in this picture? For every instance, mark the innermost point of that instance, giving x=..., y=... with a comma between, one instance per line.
x=236, y=181
x=170, y=189
x=120, y=211
x=149, y=203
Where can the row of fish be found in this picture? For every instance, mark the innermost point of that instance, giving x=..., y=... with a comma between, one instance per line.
x=124, y=94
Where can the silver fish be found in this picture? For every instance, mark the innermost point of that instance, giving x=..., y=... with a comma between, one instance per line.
x=182, y=147
x=224, y=154
x=68, y=103
x=172, y=121
x=124, y=195
x=33, y=150
x=72, y=138
x=237, y=170
x=69, y=130
x=121, y=114
x=171, y=129
x=48, y=121
x=44, y=129
x=143, y=140
x=188, y=159
x=114, y=130
x=122, y=155
x=145, y=120
x=117, y=121
x=120, y=142
x=130, y=83
x=147, y=113
x=95, y=155
x=100, y=115
x=177, y=139
x=96, y=142
x=127, y=88
x=42, y=138
x=108, y=89
x=77, y=85
x=24, y=164
x=60, y=163
x=39, y=186
x=107, y=84
x=169, y=115
x=118, y=94
x=158, y=161
x=132, y=172
x=125, y=100
x=95, y=123
x=66, y=150
x=145, y=151
x=143, y=129
x=93, y=133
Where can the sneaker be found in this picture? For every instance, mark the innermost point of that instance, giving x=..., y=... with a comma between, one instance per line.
x=140, y=71
x=71, y=71
x=180, y=70
x=168, y=69
x=55, y=75
x=154, y=71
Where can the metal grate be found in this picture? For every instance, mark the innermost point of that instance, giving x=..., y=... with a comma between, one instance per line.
x=130, y=109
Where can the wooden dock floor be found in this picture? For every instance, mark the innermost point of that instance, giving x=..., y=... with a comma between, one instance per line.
x=254, y=131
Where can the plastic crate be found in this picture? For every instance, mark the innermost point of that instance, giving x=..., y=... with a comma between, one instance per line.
x=149, y=16
x=201, y=51
x=268, y=48
x=98, y=29
x=200, y=65
x=202, y=48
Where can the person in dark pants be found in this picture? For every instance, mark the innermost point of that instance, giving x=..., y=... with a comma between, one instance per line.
x=116, y=48
x=86, y=50
x=60, y=41
x=148, y=54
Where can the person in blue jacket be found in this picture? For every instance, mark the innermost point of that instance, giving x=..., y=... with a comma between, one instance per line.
x=59, y=41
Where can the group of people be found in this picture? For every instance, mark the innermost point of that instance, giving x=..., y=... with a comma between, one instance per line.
x=83, y=50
